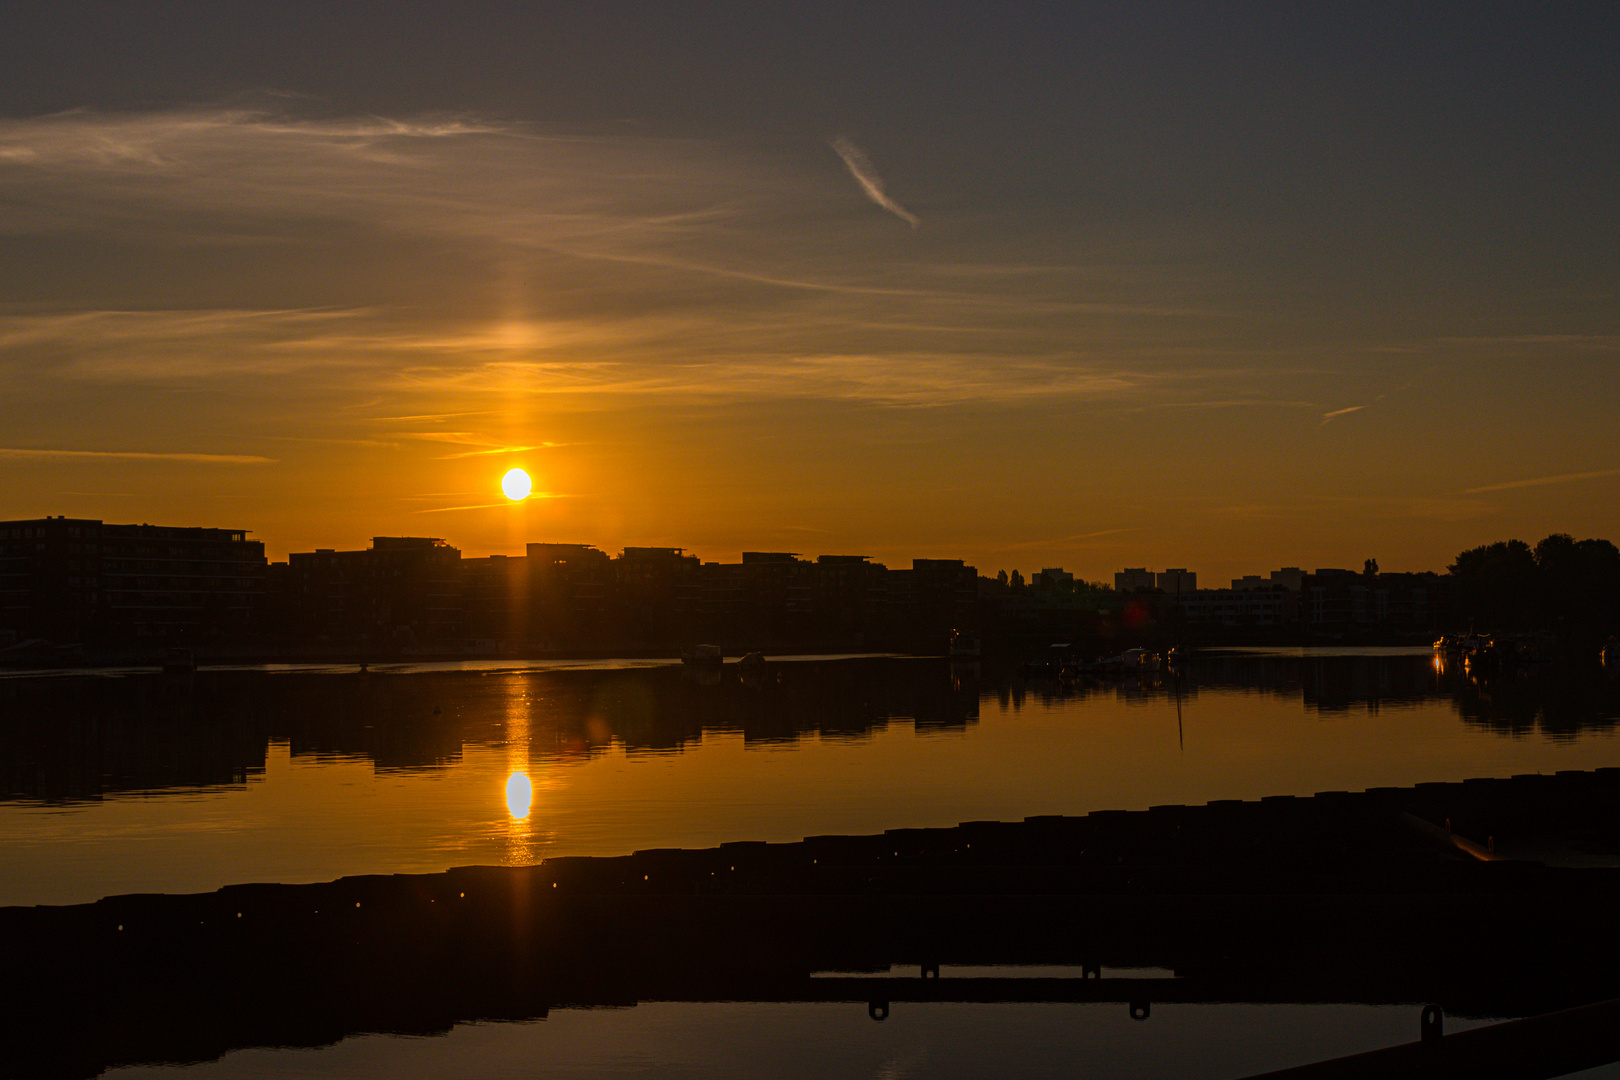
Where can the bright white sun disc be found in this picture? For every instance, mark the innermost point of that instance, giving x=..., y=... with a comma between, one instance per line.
x=517, y=485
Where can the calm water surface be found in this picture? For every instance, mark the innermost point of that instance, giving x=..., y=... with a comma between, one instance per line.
x=123, y=782
x=140, y=783
x=798, y=1042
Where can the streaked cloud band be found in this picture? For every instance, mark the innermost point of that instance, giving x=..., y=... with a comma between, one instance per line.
x=1544, y=481
x=133, y=455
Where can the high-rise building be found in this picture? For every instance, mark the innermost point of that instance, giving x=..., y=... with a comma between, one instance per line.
x=1291, y=578
x=403, y=590
x=1133, y=578
x=1176, y=581
x=81, y=580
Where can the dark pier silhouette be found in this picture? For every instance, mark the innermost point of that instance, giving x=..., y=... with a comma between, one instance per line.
x=1370, y=897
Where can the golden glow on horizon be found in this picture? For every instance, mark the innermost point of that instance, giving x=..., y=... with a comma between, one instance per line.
x=519, y=795
x=516, y=485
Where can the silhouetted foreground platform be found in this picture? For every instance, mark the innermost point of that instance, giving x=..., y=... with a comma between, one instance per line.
x=1339, y=897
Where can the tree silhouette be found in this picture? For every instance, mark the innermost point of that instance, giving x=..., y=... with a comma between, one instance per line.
x=1496, y=585
x=1580, y=586
x=1568, y=586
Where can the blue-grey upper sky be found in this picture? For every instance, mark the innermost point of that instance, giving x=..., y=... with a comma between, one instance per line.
x=1225, y=286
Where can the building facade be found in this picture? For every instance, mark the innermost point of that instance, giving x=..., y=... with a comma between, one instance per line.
x=82, y=580
x=1132, y=579
x=403, y=591
x=1176, y=581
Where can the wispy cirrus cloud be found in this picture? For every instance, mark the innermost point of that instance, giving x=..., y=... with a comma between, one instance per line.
x=1561, y=341
x=886, y=380
x=1544, y=481
x=1406, y=507
x=133, y=455
x=122, y=327
x=860, y=167
x=484, y=445
x=209, y=173
x=691, y=357
x=1235, y=403
x=166, y=345
x=477, y=506
x=533, y=495
x=623, y=264
x=493, y=450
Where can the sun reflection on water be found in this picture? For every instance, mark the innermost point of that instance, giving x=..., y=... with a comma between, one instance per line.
x=520, y=788
x=519, y=794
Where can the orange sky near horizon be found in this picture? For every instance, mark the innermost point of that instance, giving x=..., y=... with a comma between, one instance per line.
x=1085, y=290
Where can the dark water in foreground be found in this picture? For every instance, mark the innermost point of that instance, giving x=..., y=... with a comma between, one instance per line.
x=750, y=1040
x=135, y=782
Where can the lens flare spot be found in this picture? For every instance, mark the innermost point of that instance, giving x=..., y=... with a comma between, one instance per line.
x=517, y=485
x=519, y=793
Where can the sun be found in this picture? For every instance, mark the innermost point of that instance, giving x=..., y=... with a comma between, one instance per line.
x=517, y=485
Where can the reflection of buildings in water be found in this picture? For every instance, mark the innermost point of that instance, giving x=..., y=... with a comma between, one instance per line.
x=73, y=739
x=78, y=739
x=1047, y=692
x=82, y=738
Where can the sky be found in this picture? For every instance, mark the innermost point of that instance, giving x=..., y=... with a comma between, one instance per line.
x=1227, y=287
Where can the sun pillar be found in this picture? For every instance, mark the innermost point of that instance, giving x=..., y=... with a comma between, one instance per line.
x=519, y=786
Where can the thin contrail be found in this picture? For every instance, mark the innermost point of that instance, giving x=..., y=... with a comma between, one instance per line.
x=1542, y=481
x=1341, y=412
x=480, y=506
x=135, y=455
x=533, y=496
x=860, y=167
x=494, y=450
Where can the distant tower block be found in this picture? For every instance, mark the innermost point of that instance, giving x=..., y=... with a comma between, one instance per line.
x=1176, y=581
x=1130, y=579
x=1291, y=578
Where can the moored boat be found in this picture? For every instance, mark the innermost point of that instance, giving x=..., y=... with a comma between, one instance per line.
x=702, y=655
x=1141, y=659
x=964, y=647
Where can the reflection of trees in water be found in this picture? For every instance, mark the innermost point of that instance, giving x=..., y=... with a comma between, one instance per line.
x=1556, y=702
x=79, y=738
x=1326, y=684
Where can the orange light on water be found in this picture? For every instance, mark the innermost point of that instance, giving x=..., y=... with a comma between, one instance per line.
x=519, y=794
